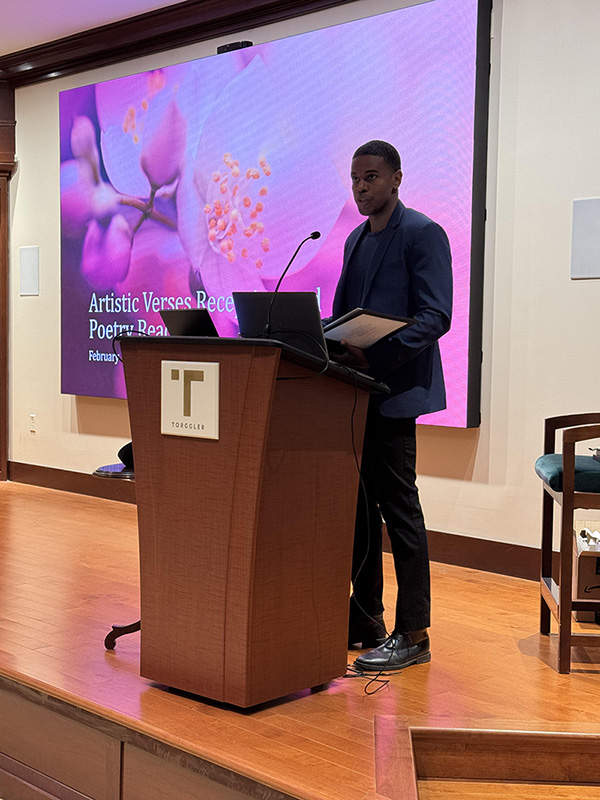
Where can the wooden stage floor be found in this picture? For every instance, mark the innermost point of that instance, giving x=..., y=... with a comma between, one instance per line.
x=68, y=570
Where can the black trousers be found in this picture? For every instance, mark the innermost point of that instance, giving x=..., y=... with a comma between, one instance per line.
x=388, y=480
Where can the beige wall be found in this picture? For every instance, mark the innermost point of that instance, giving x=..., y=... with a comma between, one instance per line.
x=544, y=152
x=540, y=344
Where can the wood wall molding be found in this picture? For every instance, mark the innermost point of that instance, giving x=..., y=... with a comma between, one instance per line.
x=445, y=548
x=7, y=128
x=7, y=167
x=516, y=560
x=7, y=120
x=156, y=31
x=4, y=211
x=77, y=482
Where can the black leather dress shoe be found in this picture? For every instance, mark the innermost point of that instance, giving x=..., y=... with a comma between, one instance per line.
x=366, y=632
x=398, y=651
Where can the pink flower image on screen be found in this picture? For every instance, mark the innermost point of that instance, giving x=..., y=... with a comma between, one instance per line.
x=185, y=183
x=251, y=191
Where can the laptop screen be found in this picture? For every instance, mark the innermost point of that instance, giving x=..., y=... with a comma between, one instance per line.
x=294, y=319
x=188, y=322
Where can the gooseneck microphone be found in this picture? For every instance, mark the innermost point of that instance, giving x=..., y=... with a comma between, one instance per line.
x=313, y=235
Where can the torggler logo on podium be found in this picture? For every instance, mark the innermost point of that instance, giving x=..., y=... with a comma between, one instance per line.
x=190, y=399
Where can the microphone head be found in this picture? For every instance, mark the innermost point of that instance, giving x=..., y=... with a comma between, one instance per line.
x=315, y=235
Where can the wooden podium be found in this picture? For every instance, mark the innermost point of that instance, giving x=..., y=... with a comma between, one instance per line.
x=246, y=540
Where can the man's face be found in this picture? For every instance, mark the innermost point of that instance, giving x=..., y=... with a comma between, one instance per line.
x=374, y=185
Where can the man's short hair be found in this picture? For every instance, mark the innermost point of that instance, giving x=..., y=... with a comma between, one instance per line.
x=386, y=150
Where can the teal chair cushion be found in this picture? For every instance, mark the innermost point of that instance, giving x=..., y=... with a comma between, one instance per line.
x=587, y=472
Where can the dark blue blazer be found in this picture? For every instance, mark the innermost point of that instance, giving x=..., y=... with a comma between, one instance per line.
x=410, y=276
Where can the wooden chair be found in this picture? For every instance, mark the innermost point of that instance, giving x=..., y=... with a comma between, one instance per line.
x=573, y=482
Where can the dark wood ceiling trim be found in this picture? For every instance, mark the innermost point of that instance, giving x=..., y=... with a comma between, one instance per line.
x=7, y=169
x=162, y=29
x=7, y=126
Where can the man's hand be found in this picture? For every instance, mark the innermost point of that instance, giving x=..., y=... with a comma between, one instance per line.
x=352, y=357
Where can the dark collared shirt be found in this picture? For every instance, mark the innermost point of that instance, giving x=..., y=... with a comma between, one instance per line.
x=358, y=269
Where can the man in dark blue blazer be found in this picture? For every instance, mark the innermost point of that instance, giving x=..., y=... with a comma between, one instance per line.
x=397, y=262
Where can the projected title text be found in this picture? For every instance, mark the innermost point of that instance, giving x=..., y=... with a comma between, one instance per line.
x=146, y=303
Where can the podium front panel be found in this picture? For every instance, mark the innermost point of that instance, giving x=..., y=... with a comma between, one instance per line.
x=245, y=541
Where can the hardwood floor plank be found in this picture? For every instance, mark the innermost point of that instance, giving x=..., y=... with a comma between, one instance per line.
x=69, y=570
